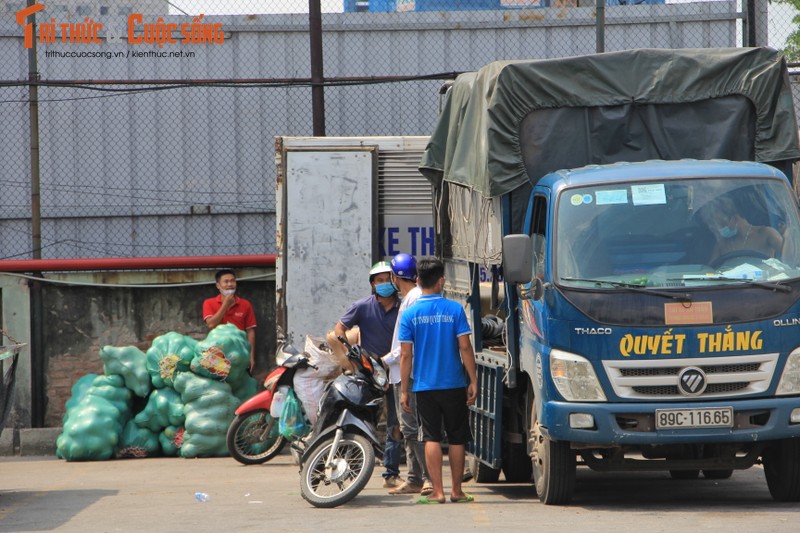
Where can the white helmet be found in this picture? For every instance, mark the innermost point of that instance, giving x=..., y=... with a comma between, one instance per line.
x=380, y=267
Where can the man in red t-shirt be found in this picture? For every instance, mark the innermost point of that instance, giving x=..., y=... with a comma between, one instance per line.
x=227, y=308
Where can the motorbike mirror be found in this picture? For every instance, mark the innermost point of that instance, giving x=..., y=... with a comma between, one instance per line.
x=343, y=340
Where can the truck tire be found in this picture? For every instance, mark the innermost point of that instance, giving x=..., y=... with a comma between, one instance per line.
x=782, y=470
x=482, y=472
x=553, y=467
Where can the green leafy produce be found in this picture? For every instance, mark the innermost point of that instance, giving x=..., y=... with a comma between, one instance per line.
x=130, y=363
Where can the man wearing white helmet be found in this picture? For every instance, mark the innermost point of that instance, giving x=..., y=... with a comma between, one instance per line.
x=375, y=317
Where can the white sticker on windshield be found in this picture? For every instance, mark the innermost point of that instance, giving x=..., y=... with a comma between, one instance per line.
x=611, y=197
x=650, y=194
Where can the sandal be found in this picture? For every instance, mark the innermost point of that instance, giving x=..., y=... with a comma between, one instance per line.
x=426, y=501
x=466, y=499
x=407, y=488
x=427, y=489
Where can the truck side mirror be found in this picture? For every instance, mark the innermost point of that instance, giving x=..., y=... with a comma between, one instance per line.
x=517, y=258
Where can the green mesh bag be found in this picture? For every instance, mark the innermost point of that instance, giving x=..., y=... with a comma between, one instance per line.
x=169, y=354
x=130, y=363
x=136, y=442
x=164, y=408
x=171, y=440
x=209, y=406
x=223, y=355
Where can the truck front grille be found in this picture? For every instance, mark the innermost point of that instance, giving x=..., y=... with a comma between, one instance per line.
x=726, y=376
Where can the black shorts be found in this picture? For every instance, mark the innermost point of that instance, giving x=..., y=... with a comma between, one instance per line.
x=444, y=408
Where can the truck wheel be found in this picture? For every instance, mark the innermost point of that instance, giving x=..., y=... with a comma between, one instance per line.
x=684, y=474
x=482, y=472
x=717, y=474
x=553, y=467
x=782, y=470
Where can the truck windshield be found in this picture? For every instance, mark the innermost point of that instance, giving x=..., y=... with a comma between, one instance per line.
x=677, y=233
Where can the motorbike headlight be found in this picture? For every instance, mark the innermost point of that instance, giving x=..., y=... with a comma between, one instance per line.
x=379, y=375
x=790, y=379
x=574, y=378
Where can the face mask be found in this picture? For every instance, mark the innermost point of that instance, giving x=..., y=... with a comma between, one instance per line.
x=385, y=290
x=727, y=232
x=226, y=292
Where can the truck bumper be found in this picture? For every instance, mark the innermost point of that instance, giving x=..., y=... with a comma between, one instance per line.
x=634, y=424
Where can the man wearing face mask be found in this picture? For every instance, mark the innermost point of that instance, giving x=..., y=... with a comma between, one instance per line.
x=733, y=232
x=228, y=308
x=375, y=317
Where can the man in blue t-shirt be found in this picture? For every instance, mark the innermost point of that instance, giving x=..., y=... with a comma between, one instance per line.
x=436, y=355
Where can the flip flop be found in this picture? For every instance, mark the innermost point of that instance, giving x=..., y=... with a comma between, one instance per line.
x=427, y=501
x=466, y=499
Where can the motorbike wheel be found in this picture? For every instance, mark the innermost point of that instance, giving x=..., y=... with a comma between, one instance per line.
x=353, y=463
x=253, y=437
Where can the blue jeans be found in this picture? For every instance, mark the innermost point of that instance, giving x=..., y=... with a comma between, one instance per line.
x=393, y=449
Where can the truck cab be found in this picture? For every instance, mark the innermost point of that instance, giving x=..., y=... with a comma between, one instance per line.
x=651, y=337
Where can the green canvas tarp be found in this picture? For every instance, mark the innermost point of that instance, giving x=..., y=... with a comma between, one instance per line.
x=514, y=121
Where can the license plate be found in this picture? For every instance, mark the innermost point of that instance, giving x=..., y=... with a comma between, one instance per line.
x=706, y=417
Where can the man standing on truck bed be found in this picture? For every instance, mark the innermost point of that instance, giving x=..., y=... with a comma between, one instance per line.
x=436, y=352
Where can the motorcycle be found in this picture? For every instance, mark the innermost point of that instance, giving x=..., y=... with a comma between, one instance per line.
x=337, y=459
x=253, y=437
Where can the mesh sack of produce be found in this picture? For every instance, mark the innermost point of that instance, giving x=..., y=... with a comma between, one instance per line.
x=78, y=391
x=171, y=440
x=169, y=354
x=223, y=355
x=93, y=426
x=164, y=408
x=130, y=363
x=209, y=406
x=136, y=442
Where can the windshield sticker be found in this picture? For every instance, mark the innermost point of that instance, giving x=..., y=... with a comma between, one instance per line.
x=612, y=197
x=578, y=199
x=651, y=194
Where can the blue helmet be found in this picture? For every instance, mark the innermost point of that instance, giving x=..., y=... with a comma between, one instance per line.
x=404, y=266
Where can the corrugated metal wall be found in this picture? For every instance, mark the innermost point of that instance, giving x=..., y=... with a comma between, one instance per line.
x=188, y=169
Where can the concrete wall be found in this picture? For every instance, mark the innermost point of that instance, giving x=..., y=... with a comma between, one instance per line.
x=82, y=312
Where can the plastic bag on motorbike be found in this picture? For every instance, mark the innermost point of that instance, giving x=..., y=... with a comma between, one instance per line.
x=321, y=356
x=292, y=423
x=309, y=385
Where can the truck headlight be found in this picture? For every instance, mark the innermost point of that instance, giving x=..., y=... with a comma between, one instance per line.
x=790, y=379
x=574, y=378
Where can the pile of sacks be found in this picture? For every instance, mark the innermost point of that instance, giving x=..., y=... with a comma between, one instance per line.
x=176, y=399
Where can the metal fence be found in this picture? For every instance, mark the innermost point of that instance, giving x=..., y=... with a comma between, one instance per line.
x=145, y=128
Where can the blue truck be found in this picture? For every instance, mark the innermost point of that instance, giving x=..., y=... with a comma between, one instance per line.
x=644, y=243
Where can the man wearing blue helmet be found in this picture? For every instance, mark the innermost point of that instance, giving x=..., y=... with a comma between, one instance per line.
x=404, y=276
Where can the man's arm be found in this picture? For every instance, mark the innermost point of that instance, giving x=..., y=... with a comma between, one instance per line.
x=406, y=355
x=468, y=358
x=251, y=338
x=216, y=319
